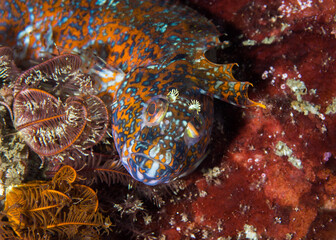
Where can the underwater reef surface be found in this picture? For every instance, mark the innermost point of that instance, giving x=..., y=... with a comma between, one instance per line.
x=270, y=173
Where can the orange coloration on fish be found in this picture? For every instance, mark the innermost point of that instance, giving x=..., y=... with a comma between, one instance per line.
x=160, y=83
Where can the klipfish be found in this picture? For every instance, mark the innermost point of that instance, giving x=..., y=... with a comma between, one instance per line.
x=162, y=96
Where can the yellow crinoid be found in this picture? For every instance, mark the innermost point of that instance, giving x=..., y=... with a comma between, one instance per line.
x=59, y=207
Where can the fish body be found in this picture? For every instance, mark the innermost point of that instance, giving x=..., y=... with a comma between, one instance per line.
x=162, y=106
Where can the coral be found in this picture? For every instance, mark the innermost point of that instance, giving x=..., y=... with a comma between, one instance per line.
x=56, y=209
x=13, y=155
x=270, y=174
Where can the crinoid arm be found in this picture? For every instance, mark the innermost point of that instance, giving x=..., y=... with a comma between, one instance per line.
x=51, y=210
x=8, y=69
x=217, y=80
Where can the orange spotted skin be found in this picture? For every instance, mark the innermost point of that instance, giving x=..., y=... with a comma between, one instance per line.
x=162, y=108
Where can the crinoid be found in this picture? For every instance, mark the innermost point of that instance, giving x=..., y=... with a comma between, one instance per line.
x=50, y=127
x=58, y=209
x=94, y=168
x=8, y=73
x=8, y=69
x=54, y=108
x=60, y=76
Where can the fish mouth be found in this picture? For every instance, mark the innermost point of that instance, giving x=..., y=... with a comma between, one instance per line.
x=155, y=173
x=144, y=156
x=150, y=169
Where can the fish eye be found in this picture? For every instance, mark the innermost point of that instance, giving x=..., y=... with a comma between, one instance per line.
x=155, y=111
